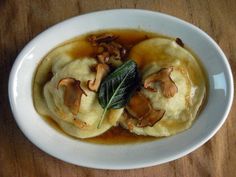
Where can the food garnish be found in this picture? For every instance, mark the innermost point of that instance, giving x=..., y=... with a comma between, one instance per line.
x=117, y=87
x=179, y=42
x=152, y=118
x=104, y=38
x=102, y=71
x=73, y=93
x=107, y=48
x=140, y=108
x=168, y=87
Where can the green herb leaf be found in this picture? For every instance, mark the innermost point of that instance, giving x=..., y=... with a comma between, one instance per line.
x=116, y=89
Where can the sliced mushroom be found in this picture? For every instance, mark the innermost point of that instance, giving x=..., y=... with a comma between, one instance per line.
x=168, y=87
x=102, y=71
x=73, y=93
x=152, y=118
x=138, y=106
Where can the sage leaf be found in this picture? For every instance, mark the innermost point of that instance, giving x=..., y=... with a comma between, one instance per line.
x=117, y=88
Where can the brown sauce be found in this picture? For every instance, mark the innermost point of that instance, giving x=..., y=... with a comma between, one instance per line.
x=119, y=135
x=128, y=38
x=116, y=135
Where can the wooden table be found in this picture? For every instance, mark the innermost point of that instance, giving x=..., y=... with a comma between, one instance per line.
x=21, y=20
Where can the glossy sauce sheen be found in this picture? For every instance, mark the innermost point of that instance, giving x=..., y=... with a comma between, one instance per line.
x=128, y=38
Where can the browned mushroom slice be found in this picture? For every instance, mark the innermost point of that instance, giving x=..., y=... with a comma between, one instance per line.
x=102, y=71
x=168, y=87
x=152, y=118
x=73, y=93
x=138, y=106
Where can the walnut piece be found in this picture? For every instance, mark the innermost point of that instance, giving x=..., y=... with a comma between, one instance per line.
x=168, y=87
x=179, y=42
x=73, y=93
x=102, y=71
x=107, y=48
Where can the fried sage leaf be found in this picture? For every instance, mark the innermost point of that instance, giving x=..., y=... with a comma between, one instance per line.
x=117, y=88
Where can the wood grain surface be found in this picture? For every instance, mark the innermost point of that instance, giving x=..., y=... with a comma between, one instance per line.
x=21, y=20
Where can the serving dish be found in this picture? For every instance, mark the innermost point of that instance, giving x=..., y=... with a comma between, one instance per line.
x=126, y=156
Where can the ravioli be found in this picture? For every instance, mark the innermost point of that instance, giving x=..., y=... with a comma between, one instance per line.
x=182, y=108
x=51, y=102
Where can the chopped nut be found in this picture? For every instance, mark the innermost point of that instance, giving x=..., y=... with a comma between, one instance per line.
x=179, y=42
x=123, y=52
x=168, y=87
x=103, y=57
x=107, y=48
x=102, y=71
x=73, y=93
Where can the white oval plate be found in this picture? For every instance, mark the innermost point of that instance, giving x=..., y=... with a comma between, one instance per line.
x=130, y=155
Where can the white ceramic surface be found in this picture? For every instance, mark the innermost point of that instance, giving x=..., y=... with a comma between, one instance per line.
x=132, y=155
